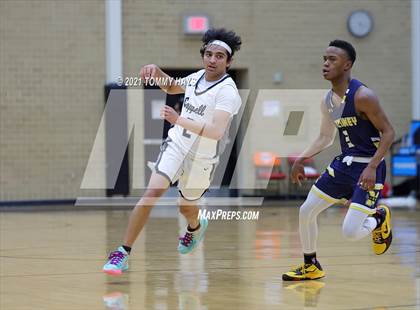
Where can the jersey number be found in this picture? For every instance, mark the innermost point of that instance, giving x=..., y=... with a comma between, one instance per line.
x=347, y=138
x=185, y=132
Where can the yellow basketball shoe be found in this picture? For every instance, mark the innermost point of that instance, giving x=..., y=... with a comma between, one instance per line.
x=382, y=236
x=304, y=272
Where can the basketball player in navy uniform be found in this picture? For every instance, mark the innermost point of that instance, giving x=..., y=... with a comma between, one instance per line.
x=191, y=152
x=358, y=174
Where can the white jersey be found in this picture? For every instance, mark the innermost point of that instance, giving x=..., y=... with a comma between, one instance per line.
x=201, y=99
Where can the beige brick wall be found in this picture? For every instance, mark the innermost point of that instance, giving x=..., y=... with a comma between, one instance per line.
x=52, y=69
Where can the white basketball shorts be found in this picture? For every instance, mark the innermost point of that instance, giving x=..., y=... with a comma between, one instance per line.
x=194, y=175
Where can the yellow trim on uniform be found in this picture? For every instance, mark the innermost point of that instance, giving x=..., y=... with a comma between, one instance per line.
x=324, y=196
x=343, y=201
x=331, y=171
x=362, y=208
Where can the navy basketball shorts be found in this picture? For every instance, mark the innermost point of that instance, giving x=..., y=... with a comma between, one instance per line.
x=340, y=181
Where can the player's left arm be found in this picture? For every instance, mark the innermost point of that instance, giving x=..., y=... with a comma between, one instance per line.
x=367, y=103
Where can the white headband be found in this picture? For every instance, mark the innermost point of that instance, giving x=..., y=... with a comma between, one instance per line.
x=222, y=44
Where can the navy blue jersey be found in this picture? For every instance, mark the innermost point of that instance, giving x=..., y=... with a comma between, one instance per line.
x=358, y=136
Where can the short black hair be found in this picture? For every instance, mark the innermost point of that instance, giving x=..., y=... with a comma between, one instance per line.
x=347, y=47
x=229, y=37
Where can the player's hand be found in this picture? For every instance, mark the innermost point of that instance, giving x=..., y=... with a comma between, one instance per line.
x=298, y=173
x=169, y=114
x=367, y=179
x=149, y=71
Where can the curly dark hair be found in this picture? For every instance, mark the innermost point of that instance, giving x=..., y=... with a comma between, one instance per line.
x=229, y=37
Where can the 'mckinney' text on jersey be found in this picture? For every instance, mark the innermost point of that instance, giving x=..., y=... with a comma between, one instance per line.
x=358, y=136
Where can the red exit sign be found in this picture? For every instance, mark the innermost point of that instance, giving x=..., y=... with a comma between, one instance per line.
x=196, y=24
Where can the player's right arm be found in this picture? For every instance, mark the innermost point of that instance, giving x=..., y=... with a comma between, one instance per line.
x=167, y=83
x=227, y=104
x=324, y=140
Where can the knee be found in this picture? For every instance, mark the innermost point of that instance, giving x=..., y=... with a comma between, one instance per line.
x=312, y=206
x=150, y=197
x=186, y=209
x=305, y=213
x=183, y=209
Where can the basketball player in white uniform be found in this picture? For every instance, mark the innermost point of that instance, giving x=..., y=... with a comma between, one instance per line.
x=190, y=153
